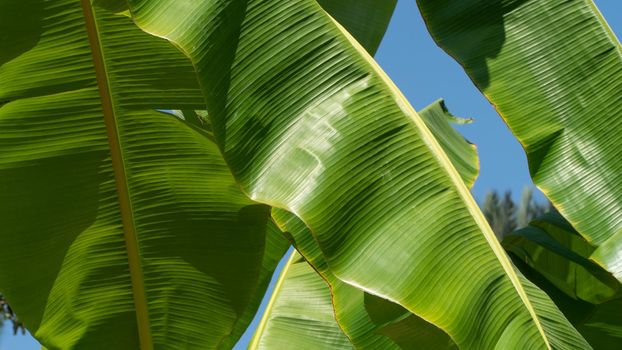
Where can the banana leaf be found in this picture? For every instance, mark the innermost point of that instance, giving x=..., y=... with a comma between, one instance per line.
x=553, y=71
x=555, y=257
x=308, y=122
x=368, y=321
x=461, y=153
x=123, y=226
x=300, y=312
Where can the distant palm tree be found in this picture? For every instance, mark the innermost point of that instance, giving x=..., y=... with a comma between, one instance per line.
x=8, y=314
x=505, y=216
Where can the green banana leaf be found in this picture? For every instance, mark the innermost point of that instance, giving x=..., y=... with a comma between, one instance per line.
x=366, y=20
x=557, y=251
x=275, y=248
x=555, y=257
x=461, y=153
x=553, y=70
x=300, y=312
x=308, y=122
x=368, y=321
x=124, y=225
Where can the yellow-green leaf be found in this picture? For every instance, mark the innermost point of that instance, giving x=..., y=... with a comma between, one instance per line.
x=309, y=123
x=553, y=70
x=124, y=226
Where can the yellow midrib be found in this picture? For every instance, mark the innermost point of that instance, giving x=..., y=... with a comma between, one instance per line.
x=125, y=205
x=266, y=315
x=461, y=188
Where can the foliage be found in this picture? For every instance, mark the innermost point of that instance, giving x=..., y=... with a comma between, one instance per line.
x=557, y=98
x=552, y=254
x=133, y=228
x=367, y=320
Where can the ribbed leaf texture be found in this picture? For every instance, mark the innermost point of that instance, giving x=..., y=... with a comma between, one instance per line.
x=119, y=220
x=366, y=20
x=461, y=153
x=553, y=255
x=300, y=313
x=369, y=322
x=309, y=123
x=553, y=70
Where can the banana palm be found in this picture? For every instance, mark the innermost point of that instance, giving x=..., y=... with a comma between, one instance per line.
x=149, y=231
x=308, y=123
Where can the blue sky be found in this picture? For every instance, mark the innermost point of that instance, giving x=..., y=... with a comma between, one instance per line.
x=425, y=73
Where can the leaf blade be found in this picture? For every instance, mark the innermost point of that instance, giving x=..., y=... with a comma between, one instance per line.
x=284, y=323
x=68, y=275
x=558, y=99
x=368, y=321
x=264, y=128
x=553, y=255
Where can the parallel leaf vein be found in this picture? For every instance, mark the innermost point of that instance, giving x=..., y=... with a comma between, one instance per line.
x=118, y=164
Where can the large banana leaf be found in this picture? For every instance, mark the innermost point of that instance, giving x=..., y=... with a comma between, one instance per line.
x=553, y=70
x=123, y=226
x=553, y=255
x=309, y=123
x=368, y=321
x=302, y=310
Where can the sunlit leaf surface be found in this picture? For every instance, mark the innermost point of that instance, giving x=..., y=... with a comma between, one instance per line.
x=553, y=70
x=309, y=123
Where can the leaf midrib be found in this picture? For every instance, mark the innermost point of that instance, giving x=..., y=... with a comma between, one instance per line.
x=266, y=315
x=118, y=165
x=456, y=179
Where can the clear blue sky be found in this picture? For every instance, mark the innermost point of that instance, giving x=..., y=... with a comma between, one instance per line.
x=425, y=73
